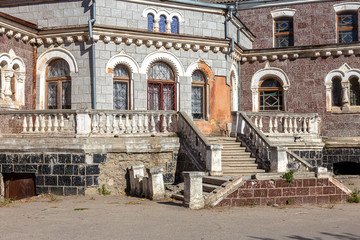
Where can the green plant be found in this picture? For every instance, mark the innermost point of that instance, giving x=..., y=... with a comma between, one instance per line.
x=173, y=134
x=288, y=201
x=6, y=202
x=80, y=209
x=92, y=198
x=289, y=176
x=103, y=190
x=355, y=198
x=53, y=198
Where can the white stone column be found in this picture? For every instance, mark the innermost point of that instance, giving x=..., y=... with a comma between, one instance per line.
x=156, y=183
x=135, y=171
x=83, y=124
x=193, y=190
x=7, y=88
x=156, y=23
x=213, y=160
x=345, y=95
x=19, y=88
x=278, y=161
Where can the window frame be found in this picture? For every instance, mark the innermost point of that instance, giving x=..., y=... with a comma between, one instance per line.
x=353, y=28
x=123, y=79
x=59, y=81
x=260, y=89
x=289, y=33
x=202, y=84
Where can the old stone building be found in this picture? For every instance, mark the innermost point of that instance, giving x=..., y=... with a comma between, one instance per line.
x=90, y=88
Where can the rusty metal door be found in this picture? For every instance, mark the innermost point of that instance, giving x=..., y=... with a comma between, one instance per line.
x=19, y=185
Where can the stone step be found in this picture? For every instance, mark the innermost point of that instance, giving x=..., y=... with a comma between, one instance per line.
x=215, y=180
x=223, y=139
x=178, y=196
x=209, y=187
x=234, y=172
x=227, y=162
x=239, y=165
x=233, y=147
x=233, y=153
x=238, y=158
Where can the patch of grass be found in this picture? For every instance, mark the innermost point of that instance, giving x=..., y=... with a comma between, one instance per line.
x=355, y=198
x=6, y=202
x=103, y=190
x=288, y=201
x=52, y=198
x=289, y=176
x=351, y=184
x=92, y=198
x=81, y=209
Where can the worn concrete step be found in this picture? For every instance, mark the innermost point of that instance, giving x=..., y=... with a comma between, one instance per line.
x=209, y=187
x=234, y=153
x=178, y=196
x=233, y=147
x=239, y=165
x=236, y=162
x=215, y=180
x=232, y=172
x=239, y=158
x=224, y=139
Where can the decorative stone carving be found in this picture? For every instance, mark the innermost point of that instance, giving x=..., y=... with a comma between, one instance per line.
x=107, y=39
x=118, y=40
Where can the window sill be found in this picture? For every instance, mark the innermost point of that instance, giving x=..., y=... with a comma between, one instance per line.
x=349, y=110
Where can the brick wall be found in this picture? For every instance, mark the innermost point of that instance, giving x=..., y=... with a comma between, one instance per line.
x=307, y=91
x=314, y=23
x=269, y=192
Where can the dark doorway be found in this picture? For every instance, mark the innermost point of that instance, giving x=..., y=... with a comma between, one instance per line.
x=346, y=168
x=19, y=185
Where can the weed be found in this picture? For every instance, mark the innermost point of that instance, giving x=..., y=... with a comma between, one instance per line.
x=52, y=198
x=92, y=198
x=355, y=198
x=80, y=209
x=331, y=206
x=270, y=203
x=289, y=176
x=173, y=134
x=351, y=184
x=103, y=190
x=288, y=201
x=6, y=202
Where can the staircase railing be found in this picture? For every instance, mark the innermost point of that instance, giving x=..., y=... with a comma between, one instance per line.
x=204, y=155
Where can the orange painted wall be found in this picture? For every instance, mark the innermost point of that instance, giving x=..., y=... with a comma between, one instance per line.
x=220, y=113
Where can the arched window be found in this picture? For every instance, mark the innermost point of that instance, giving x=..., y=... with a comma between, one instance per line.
x=162, y=24
x=354, y=92
x=347, y=27
x=336, y=92
x=121, y=88
x=161, y=87
x=150, y=18
x=271, y=95
x=284, y=33
x=58, y=85
x=175, y=25
x=198, y=93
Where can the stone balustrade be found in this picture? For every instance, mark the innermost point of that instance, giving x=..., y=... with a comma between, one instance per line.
x=286, y=123
x=90, y=122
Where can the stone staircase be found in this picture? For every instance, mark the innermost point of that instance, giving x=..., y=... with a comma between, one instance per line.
x=235, y=160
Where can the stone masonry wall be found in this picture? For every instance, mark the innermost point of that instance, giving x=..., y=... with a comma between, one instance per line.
x=335, y=155
x=314, y=23
x=269, y=192
x=307, y=92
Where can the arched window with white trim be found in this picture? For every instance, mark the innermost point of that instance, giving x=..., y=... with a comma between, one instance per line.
x=121, y=87
x=198, y=95
x=336, y=92
x=354, y=91
x=271, y=95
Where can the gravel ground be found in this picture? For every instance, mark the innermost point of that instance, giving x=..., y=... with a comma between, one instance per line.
x=122, y=217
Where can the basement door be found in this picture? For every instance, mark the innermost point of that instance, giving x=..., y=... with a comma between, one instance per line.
x=19, y=185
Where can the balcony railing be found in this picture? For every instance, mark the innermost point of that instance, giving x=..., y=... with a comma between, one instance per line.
x=87, y=122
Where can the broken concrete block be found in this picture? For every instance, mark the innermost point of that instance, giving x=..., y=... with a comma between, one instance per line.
x=156, y=183
x=193, y=190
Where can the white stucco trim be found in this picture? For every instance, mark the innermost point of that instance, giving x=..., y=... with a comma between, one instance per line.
x=162, y=55
x=158, y=12
x=123, y=58
x=283, y=12
x=197, y=66
x=43, y=61
x=260, y=75
x=349, y=6
x=234, y=88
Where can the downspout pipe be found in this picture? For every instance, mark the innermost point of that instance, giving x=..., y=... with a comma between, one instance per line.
x=227, y=19
x=93, y=70
x=202, y=4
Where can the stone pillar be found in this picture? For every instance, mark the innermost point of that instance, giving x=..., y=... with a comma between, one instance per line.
x=135, y=171
x=345, y=95
x=156, y=183
x=278, y=161
x=83, y=124
x=156, y=23
x=193, y=190
x=7, y=88
x=213, y=160
x=322, y=172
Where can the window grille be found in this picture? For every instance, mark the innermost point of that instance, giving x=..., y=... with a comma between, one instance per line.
x=162, y=24
x=198, y=95
x=336, y=92
x=150, y=18
x=175, y=25
x=121, y=88
x=347, y=27
x=284, y=32
x=271, y=96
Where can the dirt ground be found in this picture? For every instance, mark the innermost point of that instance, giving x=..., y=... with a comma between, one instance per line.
x=122, y=217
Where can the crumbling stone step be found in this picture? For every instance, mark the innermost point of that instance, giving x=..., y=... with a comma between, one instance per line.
x=178, y=196
x=209, y=187
x=215, y=180
x=241, y=165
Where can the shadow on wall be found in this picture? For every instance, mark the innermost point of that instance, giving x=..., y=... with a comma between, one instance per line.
x=344, y=236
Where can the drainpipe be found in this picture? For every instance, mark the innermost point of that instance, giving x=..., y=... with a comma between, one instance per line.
x=34, y=75
x=93, y=72
x=227, y=19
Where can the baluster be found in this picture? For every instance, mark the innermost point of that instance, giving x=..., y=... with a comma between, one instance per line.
x=121, y=124
x=146, y=123
x=310, y=127
x=37, y=124
x=153, y=124
x=30, y=124
x=291, y=125
x=94, y=124
x=133, y=123
x=261, y=123
x=286, y=130
x=256, y=121
x=62, y=123
x=56, y=123
x=127, y=124
x=140, y=124
x=164, y=124
x=303, y=125
x=270, y=125
x=101, y=125
x=276, y=130
x=170, y=127
x=107, y=124
x=114, y=125
x=295, y=125
x=49, y=124
x=24, y=125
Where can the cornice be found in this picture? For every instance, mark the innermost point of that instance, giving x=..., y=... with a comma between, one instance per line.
x=315, y=51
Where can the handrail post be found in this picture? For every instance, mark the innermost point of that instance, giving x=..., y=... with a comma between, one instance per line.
x=278, y=161
x=213, y=160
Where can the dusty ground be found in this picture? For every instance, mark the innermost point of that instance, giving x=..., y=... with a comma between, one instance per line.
x=351, y=181
x=122, y=217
